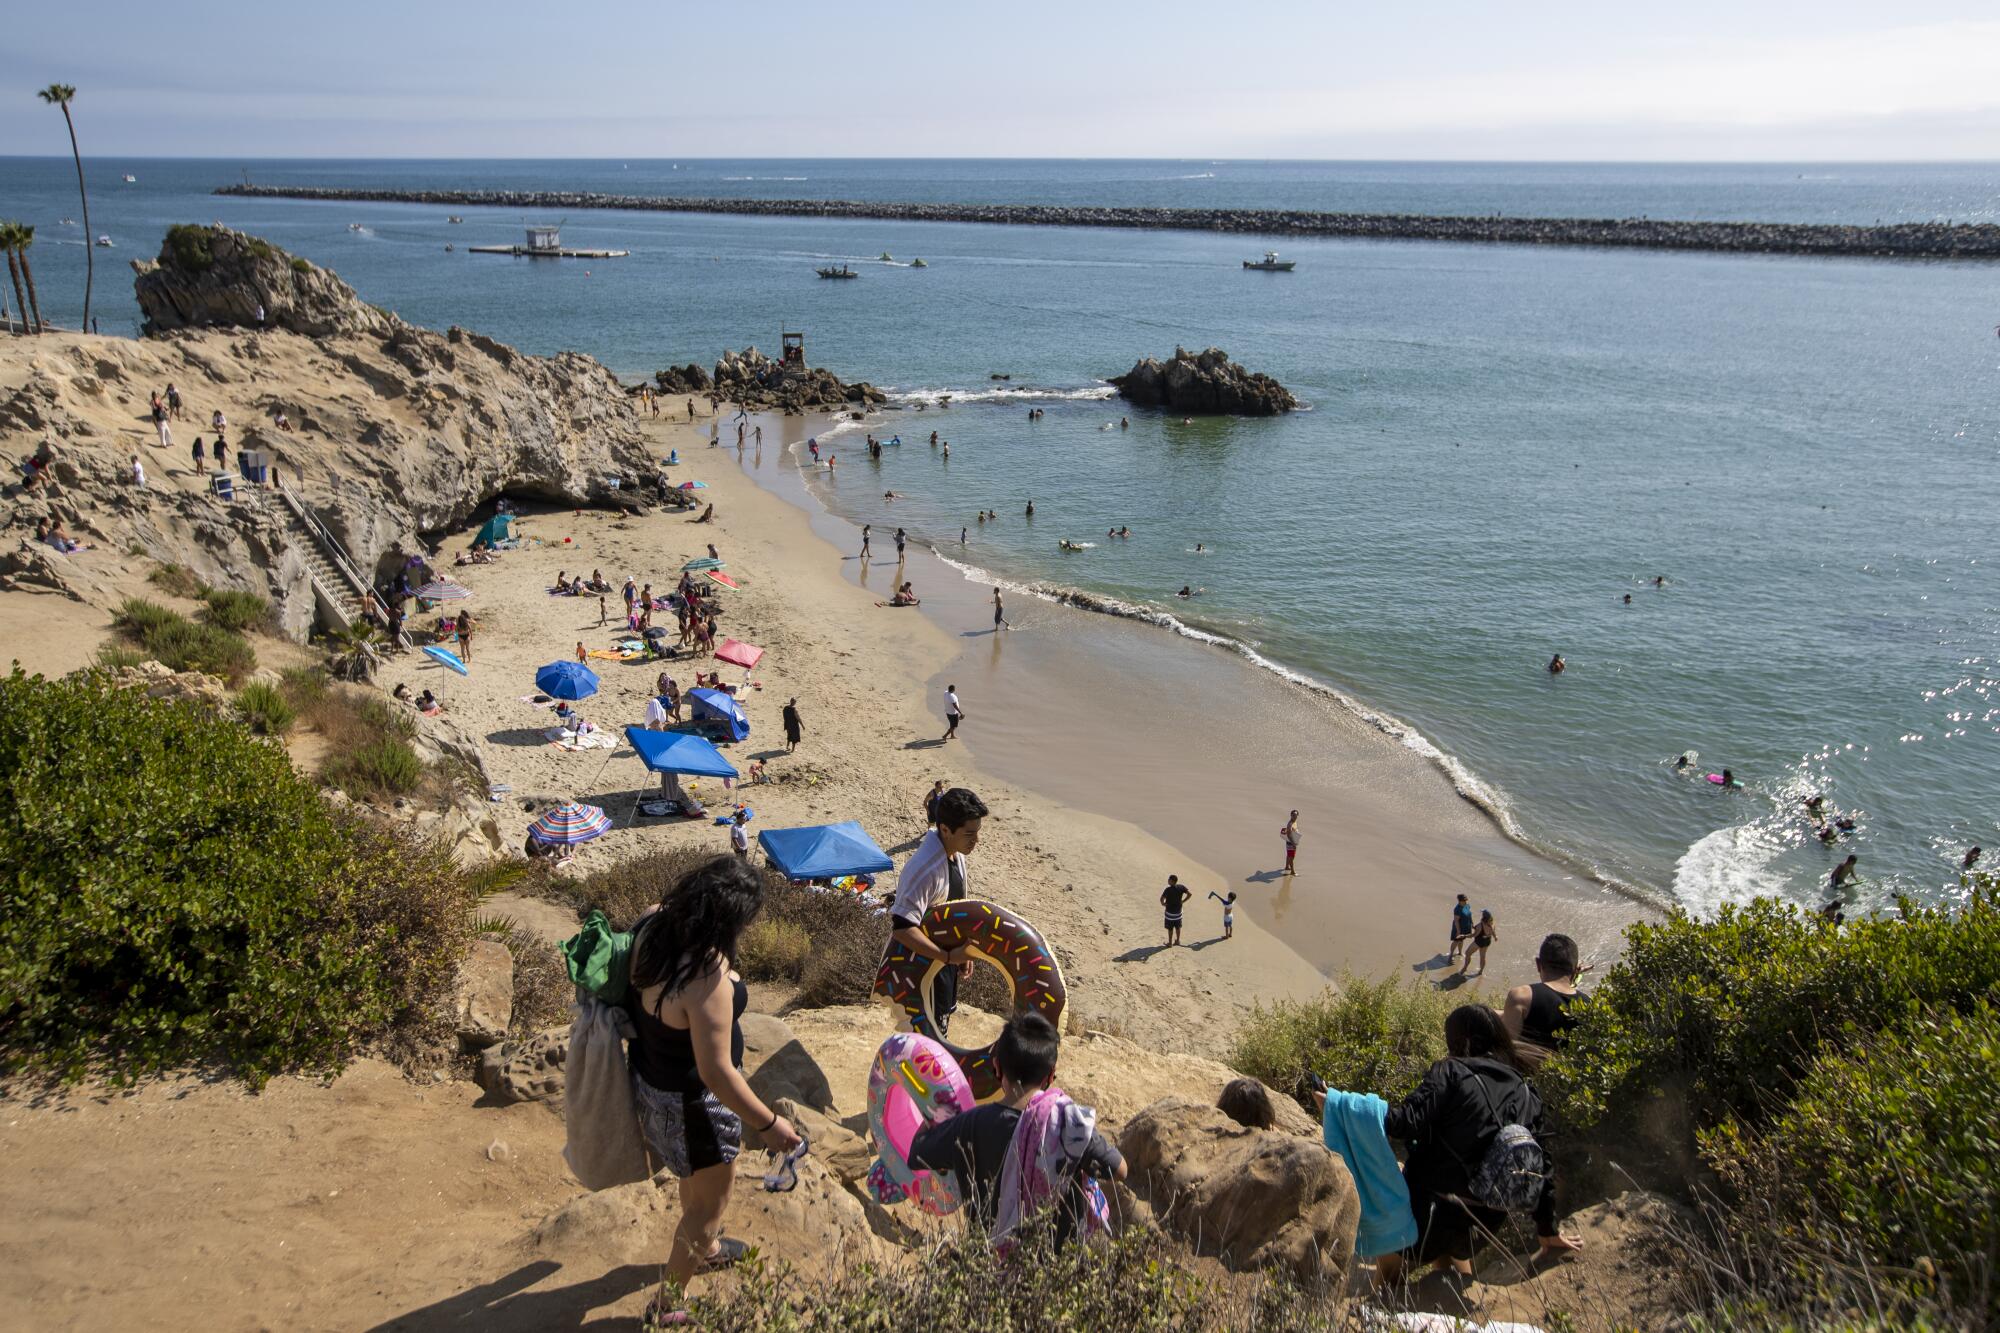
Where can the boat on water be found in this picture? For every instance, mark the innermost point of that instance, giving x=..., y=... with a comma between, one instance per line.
x=355, y=226
x=842, y=272
x=888, y=258
x=454, y=218
x=69, y=222
x=104, y=241
x=449, y=247
x=1270, y=263
x=918, y=263
x=130, y=179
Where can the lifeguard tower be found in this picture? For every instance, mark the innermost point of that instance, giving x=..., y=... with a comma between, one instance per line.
x=792, y=355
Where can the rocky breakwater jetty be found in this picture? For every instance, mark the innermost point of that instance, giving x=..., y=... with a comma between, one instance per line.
x=1208, y=383
x=756, y=381
x=1906, y=240
x=397, y=434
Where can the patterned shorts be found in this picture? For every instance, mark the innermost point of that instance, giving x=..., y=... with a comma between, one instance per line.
x=687, y=1131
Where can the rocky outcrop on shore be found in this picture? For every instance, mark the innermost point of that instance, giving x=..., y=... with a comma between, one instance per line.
x=1907, y=240
x=396, y=433
x=1208, y=383
x=689, y=378
x=212, y=277
x=756, y=381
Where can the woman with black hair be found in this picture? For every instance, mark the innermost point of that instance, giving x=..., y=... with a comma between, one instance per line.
x=687, y=1055
x=1449, y=1123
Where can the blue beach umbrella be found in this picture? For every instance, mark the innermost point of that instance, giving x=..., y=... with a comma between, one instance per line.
x=566, y=680
x=716, y=706
x=445, y=657
x=825, y=851
x=678, y=752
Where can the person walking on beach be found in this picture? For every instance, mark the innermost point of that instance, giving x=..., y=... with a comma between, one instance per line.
x=999, y=613
x=465, y=627
x=931, y=799
x=1228, y=913
x=866, y=528
x=954, y=713
x=216, y=449
x=174, y=409
x=197, y=456
x=899, y=545
x=1461, y=927
x=794, y=728
x=937, y=872
x=160, y=424
x=1173, y=898
x=739, y=837
x=1290, y=833
x=1482, y=939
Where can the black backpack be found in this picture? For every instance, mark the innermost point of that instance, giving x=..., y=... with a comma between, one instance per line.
x=1511, y=1175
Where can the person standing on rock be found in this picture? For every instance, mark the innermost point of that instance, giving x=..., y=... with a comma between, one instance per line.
x=936, y=873
x=174, y=402
x=794, y=728
x=197, y=455
x=160, y=424
x=218, y=449
x=687, y=1062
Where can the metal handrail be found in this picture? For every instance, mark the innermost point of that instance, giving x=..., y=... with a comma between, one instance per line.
x=335, y=552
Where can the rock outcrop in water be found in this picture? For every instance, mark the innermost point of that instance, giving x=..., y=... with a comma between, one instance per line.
x=1903, y=240
x=1208, y=384
x=756, y=381
x=397, y=433
x=212, y=277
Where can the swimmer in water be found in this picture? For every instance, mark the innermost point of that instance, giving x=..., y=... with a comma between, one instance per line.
x=1031, y=509
x=1628, y=599
x=1123, y=424
x=1557, y=666
x=1816, y=809
x=1199, y=548
x=1185, y=591
x=1659, y=580
x=892, y=495
x=1683, y=761
x=1729, y=779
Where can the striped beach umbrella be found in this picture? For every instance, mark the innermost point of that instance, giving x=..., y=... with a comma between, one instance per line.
x=443, y=592
x=720, y=577
x=570, y=823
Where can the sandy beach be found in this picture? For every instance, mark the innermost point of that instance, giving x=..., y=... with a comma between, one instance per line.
x=865, y=678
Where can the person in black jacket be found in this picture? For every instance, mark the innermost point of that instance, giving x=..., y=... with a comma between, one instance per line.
x=1449, y=1122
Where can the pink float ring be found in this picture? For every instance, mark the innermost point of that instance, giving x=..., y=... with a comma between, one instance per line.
x=914, y=1082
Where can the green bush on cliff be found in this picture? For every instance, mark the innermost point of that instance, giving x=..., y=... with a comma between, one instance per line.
x=1894, y=1146
x=180, y=644
x=188, y=244
x=234, y=610
x=1733, y=1012
x=1359, y=1035
x=176, y=892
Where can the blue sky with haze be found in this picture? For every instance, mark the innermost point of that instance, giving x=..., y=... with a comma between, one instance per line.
x=1701, y=80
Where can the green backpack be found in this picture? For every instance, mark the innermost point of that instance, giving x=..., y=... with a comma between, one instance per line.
x=600, y=960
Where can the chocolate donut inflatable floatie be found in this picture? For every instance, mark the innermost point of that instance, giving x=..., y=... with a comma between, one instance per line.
x=996, y=936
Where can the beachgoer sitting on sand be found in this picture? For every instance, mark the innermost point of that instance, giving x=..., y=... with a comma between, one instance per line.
x=562, y=582
x=905, y=596
x=401, y=693
x=280, y=420
x=428, y=704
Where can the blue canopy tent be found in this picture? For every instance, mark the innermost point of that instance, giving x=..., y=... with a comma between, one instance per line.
x=824, y=851
x=717, y=708
x=678, y=752
x=496, y=529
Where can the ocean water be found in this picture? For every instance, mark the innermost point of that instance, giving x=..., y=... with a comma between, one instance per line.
x=1501, y=444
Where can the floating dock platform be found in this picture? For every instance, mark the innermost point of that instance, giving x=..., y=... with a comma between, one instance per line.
x=545, y=242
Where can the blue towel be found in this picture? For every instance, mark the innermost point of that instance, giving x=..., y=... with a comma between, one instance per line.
x=1353, y=1128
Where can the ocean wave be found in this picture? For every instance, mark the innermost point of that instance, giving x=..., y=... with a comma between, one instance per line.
x=766, y=178
x=990, y=393
x=1197, y=176
x=1731, y=865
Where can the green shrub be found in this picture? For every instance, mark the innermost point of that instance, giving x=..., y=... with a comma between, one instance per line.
x=177, y=580
x=303, y=687
x=180, y=644
x=1361, y=1036
x=301, y=265
x=1735, y=1010
x=189, y=248
x=380, y=768
x=265, y=708
x=234, y=610
x=176, y=892
x=773, y=950
x=112, y=656
x=1892, y=1148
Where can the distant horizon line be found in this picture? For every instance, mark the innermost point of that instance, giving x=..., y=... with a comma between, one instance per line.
x=1211, y=161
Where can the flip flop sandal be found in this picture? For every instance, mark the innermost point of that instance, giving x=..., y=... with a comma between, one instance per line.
x=729, y=1252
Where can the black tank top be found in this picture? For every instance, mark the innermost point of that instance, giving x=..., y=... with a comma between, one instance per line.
x=664, y=1056
x=1548, y=1021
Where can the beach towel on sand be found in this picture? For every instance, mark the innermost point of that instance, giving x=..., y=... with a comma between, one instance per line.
x=600, y=1116
x=1352, y=1127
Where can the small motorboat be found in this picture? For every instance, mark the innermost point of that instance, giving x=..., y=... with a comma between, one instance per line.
x=842, y=272
x=355, y=226
x=104, y=241
x=69, y=222
x=454, y=218
x=130, y=179
x=1270, y=263
x=449, y=247
x=888, y=258
x=918, y=263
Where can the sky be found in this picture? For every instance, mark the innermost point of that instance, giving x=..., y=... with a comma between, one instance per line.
x=1700, y=80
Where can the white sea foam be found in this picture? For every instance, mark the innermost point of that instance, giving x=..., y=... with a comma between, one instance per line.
x=997, y=393
x=764, y=178
x=1730, y=865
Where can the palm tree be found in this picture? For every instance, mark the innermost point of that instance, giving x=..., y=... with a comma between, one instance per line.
x=356, y=650
x=8, y=231
x=24, y=236
x=59, y=94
